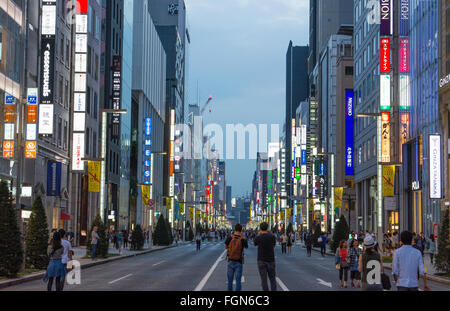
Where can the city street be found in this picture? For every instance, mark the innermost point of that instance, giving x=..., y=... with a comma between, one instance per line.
x=184, y=269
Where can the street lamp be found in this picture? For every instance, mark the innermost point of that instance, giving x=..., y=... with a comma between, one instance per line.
x=105, y=112
x=379, y=172
x=332, y=185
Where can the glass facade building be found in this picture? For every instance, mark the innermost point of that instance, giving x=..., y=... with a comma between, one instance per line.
x=419, y=212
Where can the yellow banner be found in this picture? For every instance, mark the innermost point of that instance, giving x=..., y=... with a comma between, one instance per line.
x=191, y=214
x=182, y=208
x=311, y=205
x=388, y=180
x=94, y=169
x=145, y=195
x=338, y=194
x=168, y=204
x=203, y=217
x=288, y=215
x=282, y=216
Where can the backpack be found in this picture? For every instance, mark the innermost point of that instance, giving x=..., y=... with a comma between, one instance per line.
x=235, y=248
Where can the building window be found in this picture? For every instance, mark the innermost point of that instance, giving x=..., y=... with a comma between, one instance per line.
x=65, y=135
x=60, y=138
x=61, y=90
x=95, y=105
x=88, y=142
x=67, y=101
x=349, y=70
x=61, y=46
x=94, y=144
x=88, y=101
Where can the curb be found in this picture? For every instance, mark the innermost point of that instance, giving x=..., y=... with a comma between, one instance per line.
x=40, y=275
x=428, y=277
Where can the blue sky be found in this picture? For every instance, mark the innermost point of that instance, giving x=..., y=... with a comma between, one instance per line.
x=237, y=55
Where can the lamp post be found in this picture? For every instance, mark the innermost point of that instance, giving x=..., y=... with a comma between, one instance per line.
x=105, y=113
x=379, y=211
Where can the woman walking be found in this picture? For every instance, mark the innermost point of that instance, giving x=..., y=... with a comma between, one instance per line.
x=366, y=265
x=355, y=252
x=283, y=243
x=119, y=237
x=55, y=268
x=431, y=247
x=289, y=243
x=343, y=260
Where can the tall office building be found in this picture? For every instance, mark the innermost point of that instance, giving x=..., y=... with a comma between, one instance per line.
x=169, y=17
x=149, y=94
x=296, y=91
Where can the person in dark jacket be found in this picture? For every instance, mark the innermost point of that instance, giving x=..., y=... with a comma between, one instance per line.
x=235, y=256
x=266, y=241
x=309, y=242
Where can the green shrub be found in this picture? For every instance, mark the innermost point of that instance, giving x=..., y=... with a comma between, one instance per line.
x=37, y=238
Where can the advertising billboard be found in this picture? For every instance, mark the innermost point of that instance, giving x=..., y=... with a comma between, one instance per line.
x=404, y=17
x=385, y=55
x=404, y=55
x=53, y=179
x=404, y=93
x=385, y=137
x=435, y=167
x=385, y=92
x=78, y=144
x=349, y=119
x=385, y=18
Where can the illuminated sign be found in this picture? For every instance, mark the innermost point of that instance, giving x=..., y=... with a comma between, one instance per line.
x=147, y=152
x=78, y=151
x=30, y=150
x=435, y=167
x=385, y=137
x=385, y=92
x=404, y=55
x=116, y=93
x=349, y=143
x=385, y=18
x=49, y=18
x=385, y=55
x=404, y=92
x=45, y=119
x=404, y=17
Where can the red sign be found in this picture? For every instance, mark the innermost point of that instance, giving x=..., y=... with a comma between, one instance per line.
x=436, y=231
x=8, y=149
x=404, y=55
x=385, y=54
x=82, y=6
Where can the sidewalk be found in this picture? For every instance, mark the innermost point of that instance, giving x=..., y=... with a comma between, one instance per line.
x=80, y=252
x=426, y=259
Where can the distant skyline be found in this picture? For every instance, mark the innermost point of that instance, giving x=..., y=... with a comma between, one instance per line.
x=238, y=55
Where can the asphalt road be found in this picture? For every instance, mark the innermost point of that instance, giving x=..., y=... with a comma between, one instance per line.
x=184, y=269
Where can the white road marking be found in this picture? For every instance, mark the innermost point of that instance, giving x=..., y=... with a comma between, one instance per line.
x=208, y=275
x=126, y=276
x=284, y=287
x=322, y=282
x=159, y=263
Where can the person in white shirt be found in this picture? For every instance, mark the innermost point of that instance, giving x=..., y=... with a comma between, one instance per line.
x=67, y=254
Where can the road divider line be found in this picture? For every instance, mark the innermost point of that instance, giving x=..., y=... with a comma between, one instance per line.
x=124, y=277
x=159, y=263
x=208, y=275
x=283, y=287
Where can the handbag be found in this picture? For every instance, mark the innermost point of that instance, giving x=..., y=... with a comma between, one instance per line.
x=338, y=266
x=385, y=281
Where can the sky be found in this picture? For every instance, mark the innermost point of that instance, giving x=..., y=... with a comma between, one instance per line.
x=238, y=56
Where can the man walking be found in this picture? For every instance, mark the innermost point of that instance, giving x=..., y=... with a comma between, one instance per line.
x=407, y=264
x=323, y=244
x=235, y=253
x=198, y=240
x=94, y=242
x=266, y=241
x=309, y=242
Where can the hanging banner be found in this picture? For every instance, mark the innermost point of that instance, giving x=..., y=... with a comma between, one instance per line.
x=282, y=215
x=435, y=167
x=94, y=168
x=53, y=179
x=145, y=195
x=385, y=55
x=288, y=215
x=404, y=93
x=168, y=204
x=182, y=206
x=388, y=180
x=385, y=137
x=338, y=194
x=191, y=214
x=385, y=18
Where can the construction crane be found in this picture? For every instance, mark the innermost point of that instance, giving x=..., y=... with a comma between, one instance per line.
x=206, y=105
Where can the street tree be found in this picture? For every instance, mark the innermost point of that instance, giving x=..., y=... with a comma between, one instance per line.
x=341, y=232
x=11, y=249
x=37, y=237
x=442, y=261
x=137, y=239
x=103, y=242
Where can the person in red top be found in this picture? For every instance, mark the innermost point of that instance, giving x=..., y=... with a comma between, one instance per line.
x=343, y=262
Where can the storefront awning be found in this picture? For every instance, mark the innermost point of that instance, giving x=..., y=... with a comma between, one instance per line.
x=65, y=216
